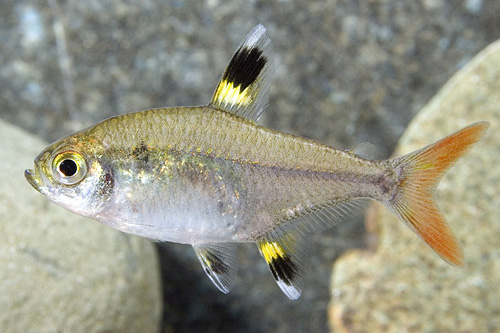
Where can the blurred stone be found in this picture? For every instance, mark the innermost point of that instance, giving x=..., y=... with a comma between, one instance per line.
x=61, y=272
x=404, y=286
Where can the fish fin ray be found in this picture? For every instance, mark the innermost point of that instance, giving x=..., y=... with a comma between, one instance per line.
x=220, y=263
x=421, y=172
x=331, y=214
x=243, y=89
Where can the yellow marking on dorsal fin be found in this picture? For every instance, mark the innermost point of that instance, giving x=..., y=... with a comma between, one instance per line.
x=243, y=88
x=228, y=94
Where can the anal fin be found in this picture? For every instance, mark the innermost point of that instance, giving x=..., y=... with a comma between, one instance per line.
x=220, y=263
x=284, y=256
x=285, y=247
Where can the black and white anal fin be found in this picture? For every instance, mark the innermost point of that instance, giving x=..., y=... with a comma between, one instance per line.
x=285, y=255
x=220, y=263
x=244, y=87
x=285, y=248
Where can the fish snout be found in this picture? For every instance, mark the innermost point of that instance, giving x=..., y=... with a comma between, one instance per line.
x=32, y=178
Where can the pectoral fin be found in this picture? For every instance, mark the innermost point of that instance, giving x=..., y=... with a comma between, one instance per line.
x=220, y=262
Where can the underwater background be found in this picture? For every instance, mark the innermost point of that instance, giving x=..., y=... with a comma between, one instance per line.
x=347, y=72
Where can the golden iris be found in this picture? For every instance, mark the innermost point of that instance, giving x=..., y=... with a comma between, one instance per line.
x=69, y=167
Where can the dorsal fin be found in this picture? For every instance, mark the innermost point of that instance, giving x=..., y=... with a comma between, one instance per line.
x=220, y=262
x=244, y=87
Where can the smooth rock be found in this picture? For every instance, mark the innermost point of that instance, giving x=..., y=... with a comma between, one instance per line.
x=60, y=272
x=403, y=285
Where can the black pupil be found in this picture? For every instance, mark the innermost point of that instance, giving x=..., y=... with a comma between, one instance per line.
x=68, y=168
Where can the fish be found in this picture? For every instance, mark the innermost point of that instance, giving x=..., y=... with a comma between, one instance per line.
x=212, y=177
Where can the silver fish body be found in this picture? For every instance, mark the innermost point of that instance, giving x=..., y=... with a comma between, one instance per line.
x=211, y=177
x=209, y=188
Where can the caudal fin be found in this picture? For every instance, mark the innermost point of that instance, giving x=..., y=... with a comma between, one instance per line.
x=421, y=172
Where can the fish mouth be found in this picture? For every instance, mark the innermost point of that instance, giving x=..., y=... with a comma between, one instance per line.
x=33, y=179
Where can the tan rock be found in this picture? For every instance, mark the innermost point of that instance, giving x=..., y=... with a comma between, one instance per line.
x=63, y=273
x=403, y=285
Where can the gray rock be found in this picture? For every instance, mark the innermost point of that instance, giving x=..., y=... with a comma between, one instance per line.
x=403, y=285
x=63, y=273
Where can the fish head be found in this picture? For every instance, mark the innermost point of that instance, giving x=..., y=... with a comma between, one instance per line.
x=70, y=173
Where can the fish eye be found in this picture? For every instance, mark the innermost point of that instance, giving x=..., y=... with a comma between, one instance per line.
x=69, y=167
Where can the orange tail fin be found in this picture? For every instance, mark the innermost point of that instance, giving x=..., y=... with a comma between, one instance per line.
x=421, y=172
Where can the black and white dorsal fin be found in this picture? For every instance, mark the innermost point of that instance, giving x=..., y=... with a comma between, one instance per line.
x=220, y=262
x=244, y=87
